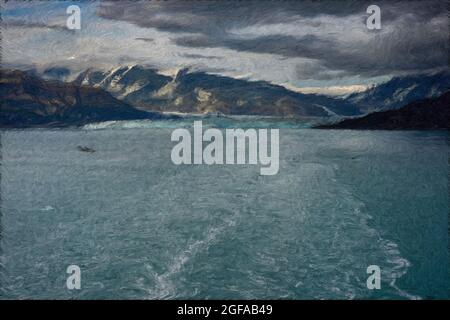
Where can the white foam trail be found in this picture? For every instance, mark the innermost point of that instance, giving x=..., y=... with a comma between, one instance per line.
x=401, y=266
x=391, y=250
x=165, y=289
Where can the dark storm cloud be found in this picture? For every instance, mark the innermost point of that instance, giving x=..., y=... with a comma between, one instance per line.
x=198, y=56
x=145, y=39
x=288, y=46
x=178, y=15
x=413, y=38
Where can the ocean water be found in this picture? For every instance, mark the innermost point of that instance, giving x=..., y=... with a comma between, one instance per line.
x=140, y=227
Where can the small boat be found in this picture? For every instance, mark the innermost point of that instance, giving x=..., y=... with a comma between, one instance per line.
x=85, y=149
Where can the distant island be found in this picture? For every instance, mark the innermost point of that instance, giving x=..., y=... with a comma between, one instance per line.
x=427, y=114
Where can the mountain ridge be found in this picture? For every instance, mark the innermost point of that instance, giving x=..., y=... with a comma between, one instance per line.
x=196, y=92
x=399, y=91
x=201, y=92
x=427, y=114
x=27, y=101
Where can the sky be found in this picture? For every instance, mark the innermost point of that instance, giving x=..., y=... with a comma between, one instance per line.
x=309, y=46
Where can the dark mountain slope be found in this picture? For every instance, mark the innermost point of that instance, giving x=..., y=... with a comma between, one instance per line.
x=27, y=101
x=399, y=91
x=426, y=114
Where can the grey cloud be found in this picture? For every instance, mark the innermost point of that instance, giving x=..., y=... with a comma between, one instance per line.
x=198, y=56
x=315, y=71
x=287, y=46
x=145, y=39
x=408, y=42
x=30, y=24
x=208, y=16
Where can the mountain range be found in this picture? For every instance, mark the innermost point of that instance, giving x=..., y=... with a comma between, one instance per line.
x=200, y=92
x=27, y=101
x=400, y=91
x=427, y=114
x=138, y=92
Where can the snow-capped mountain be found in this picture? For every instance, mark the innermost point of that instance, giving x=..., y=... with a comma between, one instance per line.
x=134, y=84
x=200, y=92
x=427, y=114
x=400, y=91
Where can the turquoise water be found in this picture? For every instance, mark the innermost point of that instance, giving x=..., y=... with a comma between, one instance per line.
x=140, y=227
